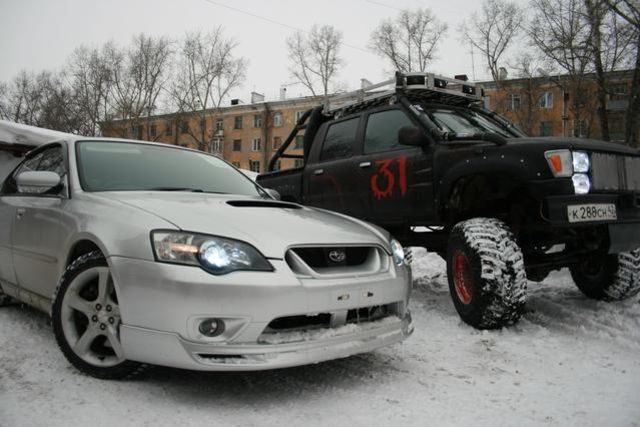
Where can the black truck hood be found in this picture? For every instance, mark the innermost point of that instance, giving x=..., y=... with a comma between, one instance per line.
x=556, y=143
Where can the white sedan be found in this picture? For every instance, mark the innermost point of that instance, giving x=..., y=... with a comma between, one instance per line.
x=152, y=254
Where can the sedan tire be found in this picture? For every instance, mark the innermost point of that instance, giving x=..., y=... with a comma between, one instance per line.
x=86, y=320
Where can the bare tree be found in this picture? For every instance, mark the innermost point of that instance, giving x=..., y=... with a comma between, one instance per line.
x=629, y=10
x=531, y=88
x=206, y=73
x=561, y=32
x=138, y=77
x=609, y=41
x=90, y=80
x=409, y=41
x=493, y=31
x=314, y=57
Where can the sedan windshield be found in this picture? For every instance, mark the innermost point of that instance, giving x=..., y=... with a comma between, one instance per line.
x=126, y=166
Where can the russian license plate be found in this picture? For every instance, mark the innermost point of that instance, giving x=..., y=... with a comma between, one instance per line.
x=592, y=212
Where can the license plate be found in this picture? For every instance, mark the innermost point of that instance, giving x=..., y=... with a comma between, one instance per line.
x=592, y=212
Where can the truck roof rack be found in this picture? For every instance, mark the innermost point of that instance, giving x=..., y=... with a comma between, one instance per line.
x=415, y=86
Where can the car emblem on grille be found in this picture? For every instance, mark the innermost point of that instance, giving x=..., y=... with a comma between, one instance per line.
x=337, y=255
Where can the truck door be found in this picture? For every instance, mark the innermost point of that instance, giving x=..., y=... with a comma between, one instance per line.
x=396, y=179
x=330, y=176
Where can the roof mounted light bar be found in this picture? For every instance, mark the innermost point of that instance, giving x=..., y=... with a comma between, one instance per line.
x=427, y=86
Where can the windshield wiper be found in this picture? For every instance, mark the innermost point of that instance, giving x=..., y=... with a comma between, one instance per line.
x=496, y=138
x=193, y=190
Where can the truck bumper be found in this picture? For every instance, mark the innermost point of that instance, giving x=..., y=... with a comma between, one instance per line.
x=624, y=231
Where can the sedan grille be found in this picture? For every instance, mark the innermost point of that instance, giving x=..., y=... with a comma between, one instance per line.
x=332, y=261
x=612, y=172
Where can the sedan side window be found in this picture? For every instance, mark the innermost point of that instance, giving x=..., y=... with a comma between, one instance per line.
x=339, y=141
x=382, y=131
x=50, y=160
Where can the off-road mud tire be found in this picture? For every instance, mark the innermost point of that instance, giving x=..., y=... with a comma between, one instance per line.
x=494, y=276
x=610, y=277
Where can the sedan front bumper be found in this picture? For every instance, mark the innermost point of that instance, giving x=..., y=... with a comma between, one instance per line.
x=163, y=304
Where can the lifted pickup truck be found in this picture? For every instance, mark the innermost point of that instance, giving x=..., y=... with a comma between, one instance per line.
x=425, y=161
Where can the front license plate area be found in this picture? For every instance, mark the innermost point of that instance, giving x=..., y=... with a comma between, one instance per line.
x=592, y=212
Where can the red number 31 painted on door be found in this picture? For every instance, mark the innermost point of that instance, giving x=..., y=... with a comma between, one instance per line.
x=385, y=173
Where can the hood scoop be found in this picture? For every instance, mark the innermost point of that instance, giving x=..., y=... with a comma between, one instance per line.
x=262, y=204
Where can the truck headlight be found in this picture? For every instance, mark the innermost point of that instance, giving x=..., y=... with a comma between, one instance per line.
x=581, y=183
x=217, y=255
x=397, y=251
x=581, y=163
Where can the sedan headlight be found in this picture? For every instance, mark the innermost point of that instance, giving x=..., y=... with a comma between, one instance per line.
x=217, y=255
x=397, y=251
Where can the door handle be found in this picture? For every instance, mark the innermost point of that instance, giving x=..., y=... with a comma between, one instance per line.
x=20, y=212
x=365, y=165
x=318, y=171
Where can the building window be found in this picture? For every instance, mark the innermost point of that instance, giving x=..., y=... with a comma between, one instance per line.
x=546, y=128
x=487, y=102
x=254, y=166
x=619, y=92
x=184, y=126
x=218, y=145
x=237, y=145
x=299, y=142
x=255, y=144
x=277, y=120
x=581, y=128
x=298, y=163
x=236, y=164
x=616, y=128
x=219, y=125
x=152, y=130
x=257, y=121
x=513, y=102
x=546, y=100
x=277, y=142
x=203, y=123
x=299, y=114
x=237, y=122
x=169, y=129
x=277, y=166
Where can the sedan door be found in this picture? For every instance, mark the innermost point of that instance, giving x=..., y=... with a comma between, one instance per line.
x=38, y=233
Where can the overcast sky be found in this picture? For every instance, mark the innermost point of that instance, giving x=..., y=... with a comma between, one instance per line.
x=40, y=34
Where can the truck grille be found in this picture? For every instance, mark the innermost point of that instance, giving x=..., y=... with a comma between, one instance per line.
x=612, y=172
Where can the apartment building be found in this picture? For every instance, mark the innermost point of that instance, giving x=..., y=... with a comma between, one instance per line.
x=245, y=135
x=558, y=106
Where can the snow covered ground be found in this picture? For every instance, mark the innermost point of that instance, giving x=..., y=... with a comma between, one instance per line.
x=570, y=361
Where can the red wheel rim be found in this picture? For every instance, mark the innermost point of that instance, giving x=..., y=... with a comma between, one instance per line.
x=462, y=278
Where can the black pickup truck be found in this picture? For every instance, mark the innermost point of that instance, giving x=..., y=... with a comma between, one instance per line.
x=426, y=162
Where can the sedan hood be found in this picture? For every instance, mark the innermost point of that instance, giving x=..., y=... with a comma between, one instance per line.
x=269, y=225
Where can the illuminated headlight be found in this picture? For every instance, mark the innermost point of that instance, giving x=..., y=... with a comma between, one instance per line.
x=581, y=162
x=217, y=255
x=397, y=251
x=581, y=183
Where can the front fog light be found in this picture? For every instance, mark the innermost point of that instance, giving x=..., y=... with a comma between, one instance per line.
x=580, y=162
x=397, y=251
x=581, y=183
x=211, y=327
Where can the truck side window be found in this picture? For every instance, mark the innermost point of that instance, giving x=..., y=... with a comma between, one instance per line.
x=382, y=131
x=338, y=143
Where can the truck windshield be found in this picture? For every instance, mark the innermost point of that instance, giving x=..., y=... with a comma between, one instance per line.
x=127, y=166
x=467, y=121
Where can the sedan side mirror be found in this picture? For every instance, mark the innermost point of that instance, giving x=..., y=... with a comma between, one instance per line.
x=413, y=136
x=38, y=182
